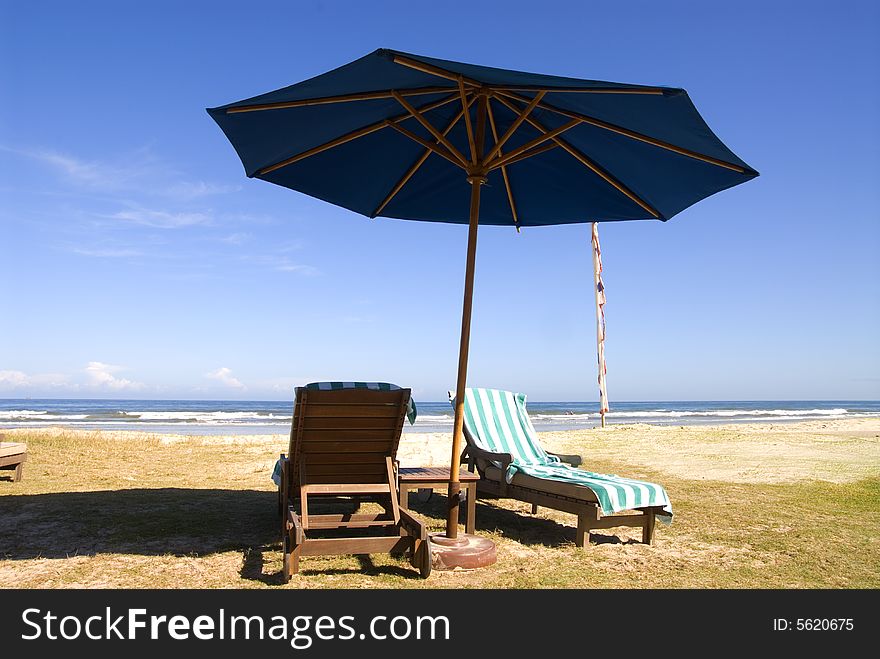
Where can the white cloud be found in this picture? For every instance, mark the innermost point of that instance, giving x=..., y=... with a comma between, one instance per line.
x=137, y=170
x=281, y=263
x=106, y=253
x=308, y=270
x=19, y=379
x=235, y=238
x=197, y=189
x=225, y=377
x=161, y=219
x=101, y=375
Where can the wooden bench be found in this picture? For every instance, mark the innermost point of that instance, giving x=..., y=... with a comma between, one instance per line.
x=13, y=455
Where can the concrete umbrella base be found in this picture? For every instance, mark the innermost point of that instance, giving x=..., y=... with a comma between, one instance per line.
x=466, y=552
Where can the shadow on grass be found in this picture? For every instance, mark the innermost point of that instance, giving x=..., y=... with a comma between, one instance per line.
x=148, y=522
x=157, y=522
x=525, y=528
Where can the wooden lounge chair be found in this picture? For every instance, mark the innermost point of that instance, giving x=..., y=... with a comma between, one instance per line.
x=503, y=446
x=13, y=455
x=343, y=443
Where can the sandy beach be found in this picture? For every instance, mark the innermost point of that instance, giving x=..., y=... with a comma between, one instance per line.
x=782, y=504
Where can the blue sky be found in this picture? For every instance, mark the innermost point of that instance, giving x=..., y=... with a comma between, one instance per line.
x=137, y=260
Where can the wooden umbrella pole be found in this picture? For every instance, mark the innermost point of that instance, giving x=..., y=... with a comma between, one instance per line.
x=461, y=382
x=476, y=177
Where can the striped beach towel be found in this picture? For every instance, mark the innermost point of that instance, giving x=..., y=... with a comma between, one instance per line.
x=497, y=421
x=411, y=411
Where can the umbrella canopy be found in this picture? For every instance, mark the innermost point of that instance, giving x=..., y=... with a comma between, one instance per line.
x=350, y=137
x=404, y=136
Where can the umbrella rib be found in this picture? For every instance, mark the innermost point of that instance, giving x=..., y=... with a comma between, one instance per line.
x=434, y=70
x=425, y=143
x=631, y=134
x=441, y=138
x=538, y=150
x=360, y=96
x=546, y=135
x=348, y=137
x=516, y=124
x=652, y=91
x=467, y=120
x=415, y=166
x=589, y=164
x=503, y=167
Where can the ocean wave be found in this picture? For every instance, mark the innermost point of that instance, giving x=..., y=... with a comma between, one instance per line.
x=21, y=415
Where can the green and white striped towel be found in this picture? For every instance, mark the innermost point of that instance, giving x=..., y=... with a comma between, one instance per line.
x=497, y=421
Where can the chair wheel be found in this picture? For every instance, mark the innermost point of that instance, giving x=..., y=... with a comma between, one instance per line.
x=424, y=561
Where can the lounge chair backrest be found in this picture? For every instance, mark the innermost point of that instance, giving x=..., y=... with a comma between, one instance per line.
x=497, y=421
x=343, y=434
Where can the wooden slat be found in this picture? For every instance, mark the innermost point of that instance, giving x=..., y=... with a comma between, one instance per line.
x=611, y=521
x=349, y=412
x=347, y=457
x=344, y=98
x=346, y=479
x=337, y=546
x=351, y=434
x=350, y=488
x=329, y=424
x=432, y=475
x=318, y=522
x=330, y=470
x=336, y=446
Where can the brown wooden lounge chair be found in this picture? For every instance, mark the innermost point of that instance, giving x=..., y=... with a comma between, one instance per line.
x=498, y=419
x=13, y=455
x=343, y=443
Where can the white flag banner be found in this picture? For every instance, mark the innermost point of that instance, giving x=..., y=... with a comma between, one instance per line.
x=599, y=287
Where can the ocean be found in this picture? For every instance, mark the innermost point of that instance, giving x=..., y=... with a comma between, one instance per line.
x=217, y=417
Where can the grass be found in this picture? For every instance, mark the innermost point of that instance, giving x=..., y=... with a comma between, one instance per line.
x=98, y=511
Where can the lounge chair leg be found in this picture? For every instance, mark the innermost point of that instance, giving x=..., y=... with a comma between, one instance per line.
x=286, y=566
x=582, y=535
x=648, y=528
x=17, y=473
x=585, y=517
x=534, y=509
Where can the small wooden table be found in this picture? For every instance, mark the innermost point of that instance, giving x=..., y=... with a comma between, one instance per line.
x=429, y=478
x=13, y=455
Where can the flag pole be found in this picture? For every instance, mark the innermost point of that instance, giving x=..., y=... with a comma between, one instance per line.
x=599, y=290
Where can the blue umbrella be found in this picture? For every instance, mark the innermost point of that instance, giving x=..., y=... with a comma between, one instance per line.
x=416, y=138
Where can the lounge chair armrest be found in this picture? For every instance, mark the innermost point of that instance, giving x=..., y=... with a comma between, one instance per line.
x=480, y=454
x=413, y=525
x=284, y=487
x=572, y=459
